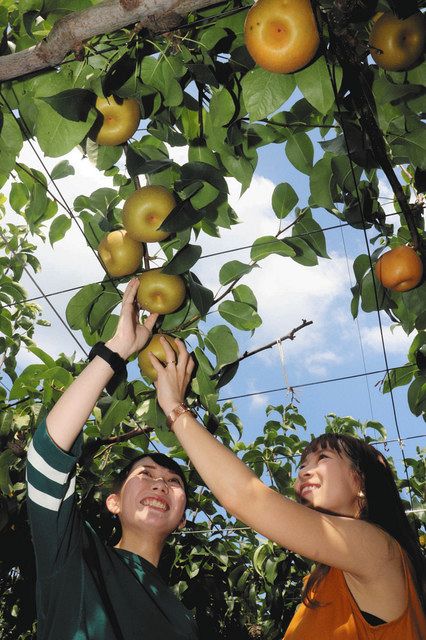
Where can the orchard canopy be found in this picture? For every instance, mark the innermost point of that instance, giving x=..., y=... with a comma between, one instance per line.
x=339, y=129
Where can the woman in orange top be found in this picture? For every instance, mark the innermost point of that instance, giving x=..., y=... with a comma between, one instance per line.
x=370, y=578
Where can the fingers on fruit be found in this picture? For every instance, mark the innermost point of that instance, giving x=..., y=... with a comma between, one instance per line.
x=155, y=346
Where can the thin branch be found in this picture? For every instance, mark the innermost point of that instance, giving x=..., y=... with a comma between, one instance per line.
x=290, y=336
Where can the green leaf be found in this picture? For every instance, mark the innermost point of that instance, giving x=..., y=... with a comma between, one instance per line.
x=56, y=135
x=183, y=260
x=413, y=145
x=58, y=228
x=182, y=217
x=6, y=326
x=19, y=196
x=202, y=297
x=398, y=377
x=284, y=199
x=312, y=233
x=243, y=293
x=80, y=304
x=226, y=374
x=37, y=209
x=102, y=156
x=72, y=104
x=266, y=245
x=320, y=183
x=161, y=73
x=6, y=421
x=62, y=170
x=315, y=84
x=360, y=267
x=95, y=227
x=233, y=270
x=44, y=357
x=10, y=144
x=265, y=92
x=300, y=151
x=205, y=387
x=116, y=413
x=222, y=344
x=192, y=171
x=239, y=168
x=7, y=459
x=417, y=395
x=304, y=254
x=13, y=289
x=204, y=196
x=103, y=307
x=370, y=288
x=100, y=201
x=240, y=315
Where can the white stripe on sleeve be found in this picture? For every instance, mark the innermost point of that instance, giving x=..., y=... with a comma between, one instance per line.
x=44, y=468
x=47, y=501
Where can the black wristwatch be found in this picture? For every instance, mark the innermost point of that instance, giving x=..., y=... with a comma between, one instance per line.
x=115, y=361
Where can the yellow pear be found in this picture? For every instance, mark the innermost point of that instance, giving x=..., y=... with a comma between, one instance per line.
x=159, y=292
x=157, y=349
x=120, y=253
x=120, y=121
x=145, y=210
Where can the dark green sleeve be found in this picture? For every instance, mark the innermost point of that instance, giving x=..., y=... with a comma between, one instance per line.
x=54, y=519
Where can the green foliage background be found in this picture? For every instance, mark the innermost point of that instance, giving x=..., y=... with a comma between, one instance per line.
x=198, y=87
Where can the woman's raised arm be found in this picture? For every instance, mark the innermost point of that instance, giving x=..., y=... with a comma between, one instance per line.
x=69, y=415
x=324, y=538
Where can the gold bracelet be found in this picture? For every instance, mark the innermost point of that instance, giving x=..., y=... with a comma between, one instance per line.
x=176, y=412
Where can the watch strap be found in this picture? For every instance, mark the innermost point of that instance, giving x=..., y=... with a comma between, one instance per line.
x=176, y=412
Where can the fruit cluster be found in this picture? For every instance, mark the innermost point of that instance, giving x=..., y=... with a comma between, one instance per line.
x=122, y=250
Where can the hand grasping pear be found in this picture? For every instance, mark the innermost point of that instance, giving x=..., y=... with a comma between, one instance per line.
x=174, y=377
x=131, y=336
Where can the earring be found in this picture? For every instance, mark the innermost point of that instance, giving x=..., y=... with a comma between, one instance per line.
x=361, y=494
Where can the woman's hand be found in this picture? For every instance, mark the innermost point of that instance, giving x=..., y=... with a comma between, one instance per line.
x=174, y=376
x=131, y=336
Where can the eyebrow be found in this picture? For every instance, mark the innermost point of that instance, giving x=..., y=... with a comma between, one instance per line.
x=172, y=473
x=317, y=452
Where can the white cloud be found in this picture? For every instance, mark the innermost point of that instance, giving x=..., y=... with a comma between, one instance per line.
x=396, y=341
x=320, y=362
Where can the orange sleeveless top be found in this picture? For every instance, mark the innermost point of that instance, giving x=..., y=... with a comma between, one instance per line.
x=342, y=619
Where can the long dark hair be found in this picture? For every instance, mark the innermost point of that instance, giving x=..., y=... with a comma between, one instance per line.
x=381, y=506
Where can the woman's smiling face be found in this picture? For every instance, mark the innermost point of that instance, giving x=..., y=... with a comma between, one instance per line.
x=327, y=481
x=152, y=498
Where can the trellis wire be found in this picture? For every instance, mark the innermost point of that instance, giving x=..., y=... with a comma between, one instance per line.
x=209, y=255
x=331, y=74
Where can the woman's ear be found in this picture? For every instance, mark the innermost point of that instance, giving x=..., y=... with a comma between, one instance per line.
x=113, y=503
x=182, y=523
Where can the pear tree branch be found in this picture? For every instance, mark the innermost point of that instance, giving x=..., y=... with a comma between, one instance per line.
x=289, y=336
x=70, y=32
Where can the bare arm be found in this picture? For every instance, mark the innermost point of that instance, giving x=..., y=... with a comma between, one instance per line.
x=69, y=415
x=320, y=537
